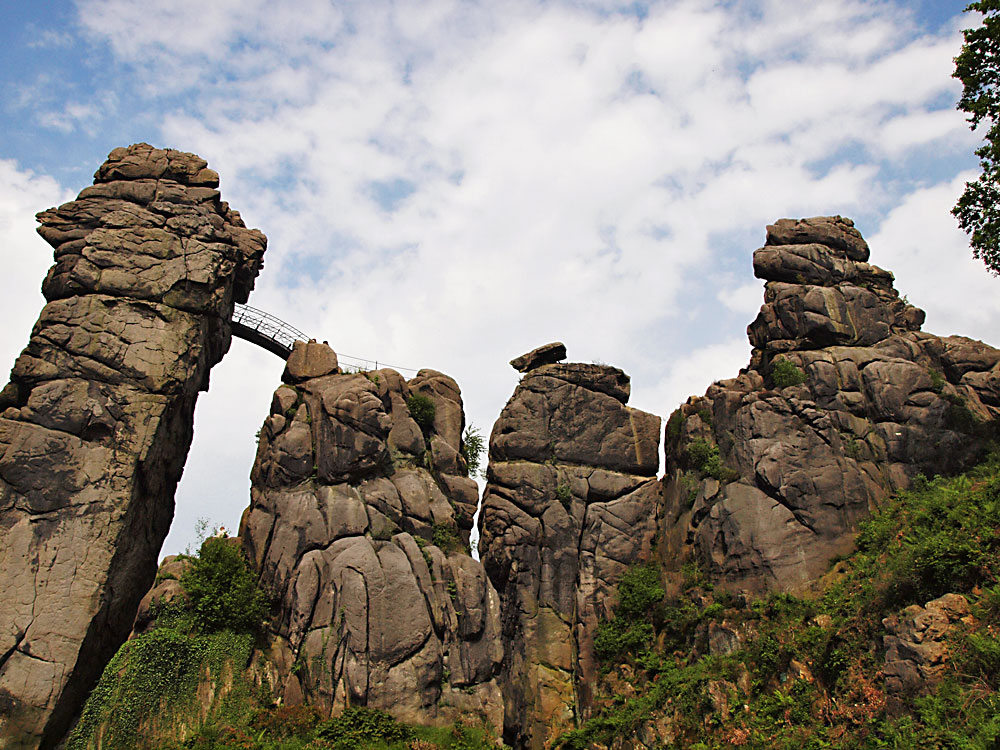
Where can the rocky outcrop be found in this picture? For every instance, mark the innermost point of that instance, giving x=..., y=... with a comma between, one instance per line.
x=570, y=505
x=844, y=401
x=96, y=421
x=361, y=508
x=917, y=649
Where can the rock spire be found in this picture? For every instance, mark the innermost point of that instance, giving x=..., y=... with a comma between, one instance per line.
x=96, y=421
x=845, y=400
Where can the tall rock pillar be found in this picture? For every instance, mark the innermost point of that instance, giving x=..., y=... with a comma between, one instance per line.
x=97, y=419
x=570, y=505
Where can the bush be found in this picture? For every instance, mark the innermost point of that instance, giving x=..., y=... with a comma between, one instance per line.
x=359, y=725
x=704, y=458
x=472, y=448
x=223, y=591
x=422, y=410
x=785, y=373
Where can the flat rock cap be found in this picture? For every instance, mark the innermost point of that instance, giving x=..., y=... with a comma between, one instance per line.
x=543, y=355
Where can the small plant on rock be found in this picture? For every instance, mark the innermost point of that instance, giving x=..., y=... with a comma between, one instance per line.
x=785, y=373
x=422, y=410
x=472, y=449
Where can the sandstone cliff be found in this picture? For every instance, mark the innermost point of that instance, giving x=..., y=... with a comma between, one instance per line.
x=359, y=522
x=96, y=421
x=844, y=401
x=570, y=505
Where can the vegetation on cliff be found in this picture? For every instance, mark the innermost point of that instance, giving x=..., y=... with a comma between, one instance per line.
x=703, y=669
x=192, y=681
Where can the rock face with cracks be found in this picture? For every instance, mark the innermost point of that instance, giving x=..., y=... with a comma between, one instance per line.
x=96, y=421
x=359, y=524
x=844, y=401
x=570, y=505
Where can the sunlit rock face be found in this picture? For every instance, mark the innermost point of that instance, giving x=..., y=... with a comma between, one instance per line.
x=797, y=465
x=96, y=421
x=571, y=503
x=359, y=524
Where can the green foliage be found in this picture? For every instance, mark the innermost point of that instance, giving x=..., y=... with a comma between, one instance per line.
x=639, y=591
x=422, y=410
x=222, y=590
x=564, y=495
x=445, y=537
x=978, y=68
x=358, y=726
x=703, y=457
x=473, y=445
x=640, y=598
x=675, y=424
x=785, y=373
x=808, y=672
x=151, y=681
x=938, y=381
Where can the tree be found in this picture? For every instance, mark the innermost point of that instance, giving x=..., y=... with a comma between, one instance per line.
x=978, y=68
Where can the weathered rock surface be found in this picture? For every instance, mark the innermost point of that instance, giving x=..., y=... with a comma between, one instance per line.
x=797, y=465
x=96, y=421
x=547, y=354
x=358, y=525
x=570, y=505
x=917, y=650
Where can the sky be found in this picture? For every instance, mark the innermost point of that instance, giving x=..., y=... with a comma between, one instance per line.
x=449, y=184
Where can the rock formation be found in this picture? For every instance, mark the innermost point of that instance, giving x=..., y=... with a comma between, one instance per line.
x=359, y=522
x=570, y=504
x=844, y=401
x=96, y=421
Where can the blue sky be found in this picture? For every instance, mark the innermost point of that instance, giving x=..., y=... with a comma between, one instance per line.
x=447, y=184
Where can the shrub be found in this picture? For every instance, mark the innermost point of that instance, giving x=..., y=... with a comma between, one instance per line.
x=785, y=373
x=564, y=495
x=223, y=591
x=359, y=725
x=675, y=425
x=445, y=538
x=422, y=410
x=704, y=458
x=472, y=448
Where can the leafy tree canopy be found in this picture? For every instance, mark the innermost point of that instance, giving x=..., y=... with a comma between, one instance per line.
x=978, y=68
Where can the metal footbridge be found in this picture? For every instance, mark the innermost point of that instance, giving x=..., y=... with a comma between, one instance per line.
x=265, y=330
x=278, y=337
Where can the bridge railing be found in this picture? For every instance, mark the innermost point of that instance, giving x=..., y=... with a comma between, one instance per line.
x=267, y=326
x=275, y=335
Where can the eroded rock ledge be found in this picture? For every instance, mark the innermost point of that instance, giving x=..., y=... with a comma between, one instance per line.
x=359, y=524
x=844, y=401
x=570, y=505
x=96, y=421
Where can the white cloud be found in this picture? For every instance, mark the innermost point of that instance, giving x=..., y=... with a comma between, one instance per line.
x=579, y=173
x=920, y=242
x=26, y=255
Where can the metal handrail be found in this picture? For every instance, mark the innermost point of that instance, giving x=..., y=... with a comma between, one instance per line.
x=268, y=326
x=277, y=336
